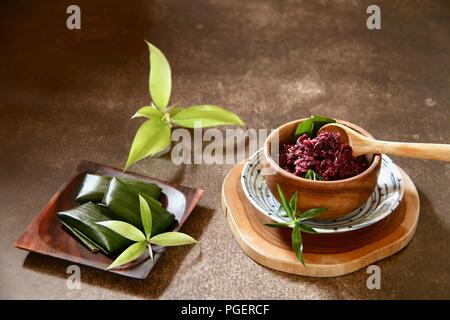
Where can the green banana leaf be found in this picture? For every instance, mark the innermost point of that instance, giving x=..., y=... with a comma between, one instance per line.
x=81, y=222
x=123, y=202
x=86, y=241
x=144, y=188
x=93, y=188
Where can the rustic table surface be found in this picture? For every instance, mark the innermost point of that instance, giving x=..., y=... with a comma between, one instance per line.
x=68, y=95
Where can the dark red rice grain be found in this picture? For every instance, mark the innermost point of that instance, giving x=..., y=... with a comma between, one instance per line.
x=324, y=154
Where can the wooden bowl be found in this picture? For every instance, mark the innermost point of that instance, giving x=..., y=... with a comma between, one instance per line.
x=341, y=197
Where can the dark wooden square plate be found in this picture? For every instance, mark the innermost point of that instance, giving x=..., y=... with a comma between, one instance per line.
x=45, y=235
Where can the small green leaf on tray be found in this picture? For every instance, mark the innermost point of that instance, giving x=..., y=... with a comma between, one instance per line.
x=124, y=229
x=297, y=243
x=163, y=239
x=148, y=112
x=205, y=116
x=150, y=250
x=172, y=239
x=312, y=213
x=152, y=137
x=146, y=216
x=160, y=80
x=131, y=253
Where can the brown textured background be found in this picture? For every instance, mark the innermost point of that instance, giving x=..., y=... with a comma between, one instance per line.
x=67, y=95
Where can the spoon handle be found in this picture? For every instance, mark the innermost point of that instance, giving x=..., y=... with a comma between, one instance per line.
x=430, y=151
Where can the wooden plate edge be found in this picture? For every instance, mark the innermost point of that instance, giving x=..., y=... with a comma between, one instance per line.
x=284, y=260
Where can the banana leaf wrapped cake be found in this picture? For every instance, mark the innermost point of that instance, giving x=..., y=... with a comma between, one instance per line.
x=122, y=200
x=94, y=187
x=81, y=222
x=103, y=198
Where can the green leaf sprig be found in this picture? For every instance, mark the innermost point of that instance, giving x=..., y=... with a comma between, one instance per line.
x=311, y=127
x=153, y=136
x=296, y=222
x=312, y=175
x=143, y=241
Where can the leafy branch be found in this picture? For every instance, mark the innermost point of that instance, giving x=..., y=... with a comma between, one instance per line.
x=296, y=222
x=312, y=175
x=143, y=241
x=311, y=127
x=153, y=136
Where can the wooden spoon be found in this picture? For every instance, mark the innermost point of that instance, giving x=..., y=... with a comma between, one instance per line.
x=363, y=145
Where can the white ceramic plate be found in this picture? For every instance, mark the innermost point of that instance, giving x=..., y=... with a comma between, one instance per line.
x=384, y=200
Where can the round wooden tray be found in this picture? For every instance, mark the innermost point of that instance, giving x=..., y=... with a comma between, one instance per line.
x=326, y=255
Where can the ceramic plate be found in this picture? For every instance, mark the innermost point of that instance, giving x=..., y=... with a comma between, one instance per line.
x=384, y=200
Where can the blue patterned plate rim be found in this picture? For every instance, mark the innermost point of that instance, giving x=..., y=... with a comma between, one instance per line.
x=384, y=200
